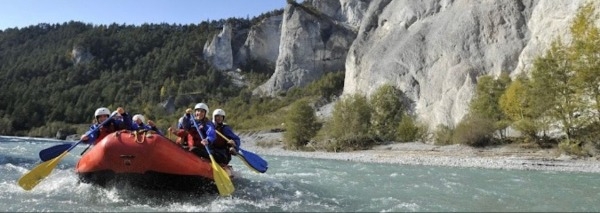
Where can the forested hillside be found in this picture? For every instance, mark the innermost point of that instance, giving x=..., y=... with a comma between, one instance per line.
x=45, y=81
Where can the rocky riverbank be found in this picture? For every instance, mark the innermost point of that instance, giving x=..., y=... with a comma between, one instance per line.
x=417, y=153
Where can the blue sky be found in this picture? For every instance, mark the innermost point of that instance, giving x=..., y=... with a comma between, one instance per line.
x=22, y=13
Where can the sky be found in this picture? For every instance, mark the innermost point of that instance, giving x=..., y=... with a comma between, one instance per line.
x=23, y=13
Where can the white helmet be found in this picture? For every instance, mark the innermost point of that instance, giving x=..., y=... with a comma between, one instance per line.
x=140, y=117
x=201, y=106
x=102, y=111
x=218, y=112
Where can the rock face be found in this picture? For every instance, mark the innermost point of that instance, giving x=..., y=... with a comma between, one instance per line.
x=80, y=55
x=312, y=44
x=262, y=43
x=549, y=20
x=218, y=51
x=433, y=50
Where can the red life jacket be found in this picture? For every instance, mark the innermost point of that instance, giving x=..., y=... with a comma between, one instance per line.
x=193, y=136
x=182, y=137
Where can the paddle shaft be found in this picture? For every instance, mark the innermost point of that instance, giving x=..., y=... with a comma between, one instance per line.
x=32, y=178
x=54, y=151
x=250, y=159
x=224, y=184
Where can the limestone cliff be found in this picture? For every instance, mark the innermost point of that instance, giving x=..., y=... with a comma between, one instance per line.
x=433, y=50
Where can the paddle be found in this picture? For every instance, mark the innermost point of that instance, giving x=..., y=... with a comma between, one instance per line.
x=56, y=150
x=251, y=160
x=224, y=184
x=37, y=174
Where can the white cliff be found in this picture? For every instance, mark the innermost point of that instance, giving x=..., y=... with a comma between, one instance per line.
x=435, y=50
x=218, y=51
x=262, y=43
x=312, y=44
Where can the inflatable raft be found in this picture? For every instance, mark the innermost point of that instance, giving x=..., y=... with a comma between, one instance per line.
x=148, y=160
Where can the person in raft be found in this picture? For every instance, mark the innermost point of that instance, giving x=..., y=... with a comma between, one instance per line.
x=231, y=141
x=197, y=143
x=139, y=123
x=181, y=134
x=119, y=120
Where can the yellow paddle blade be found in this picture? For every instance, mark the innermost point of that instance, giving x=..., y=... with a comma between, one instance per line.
x=37, y=174
x=224, y=184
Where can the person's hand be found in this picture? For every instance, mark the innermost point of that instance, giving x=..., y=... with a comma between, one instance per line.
x=188, y=111
x=231, y=143
x=115, y=114
x=171, y=130
x=84, y=138
x=120, y=110
x=232, y=151
x=204, y=142
x=151, y=123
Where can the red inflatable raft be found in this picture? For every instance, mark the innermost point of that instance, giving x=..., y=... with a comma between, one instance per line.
x=147, y=160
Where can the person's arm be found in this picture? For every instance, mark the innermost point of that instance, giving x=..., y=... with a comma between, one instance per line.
x=91, y=135
x=186, y=122
x=135, y=127
x=152, y=126
x=210, y=132
x=227, y=131
x=127, y=121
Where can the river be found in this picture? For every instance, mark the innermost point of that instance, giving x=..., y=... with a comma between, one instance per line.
x=295, y=184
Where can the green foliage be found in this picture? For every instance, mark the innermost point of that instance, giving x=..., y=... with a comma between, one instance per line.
x=584, y=51
x=387, y=112
x=554, y=88
x=300, y=124
x=572, y=147
x=528, y=127
x=474, y=130
x=327, y=87
x=517, y=104
x=132, y=66
x=246, y=112
x=410, y=130
x=350, y=123
x=443, y=135
x=52, y=128
x=5, y=126
x=485, y=104
x=514, y=100
x=564, y=84
x=590, y=136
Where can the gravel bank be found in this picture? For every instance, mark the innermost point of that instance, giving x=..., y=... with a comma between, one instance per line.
x=417, y=153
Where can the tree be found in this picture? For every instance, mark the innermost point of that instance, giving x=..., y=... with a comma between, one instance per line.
x=585, y=52
x=350, y=122
x=517, y=105
x=555, y=90
x=301, y=125
x=513, y=101
x=485, y=104
x=387, y=112
x=410, y=130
